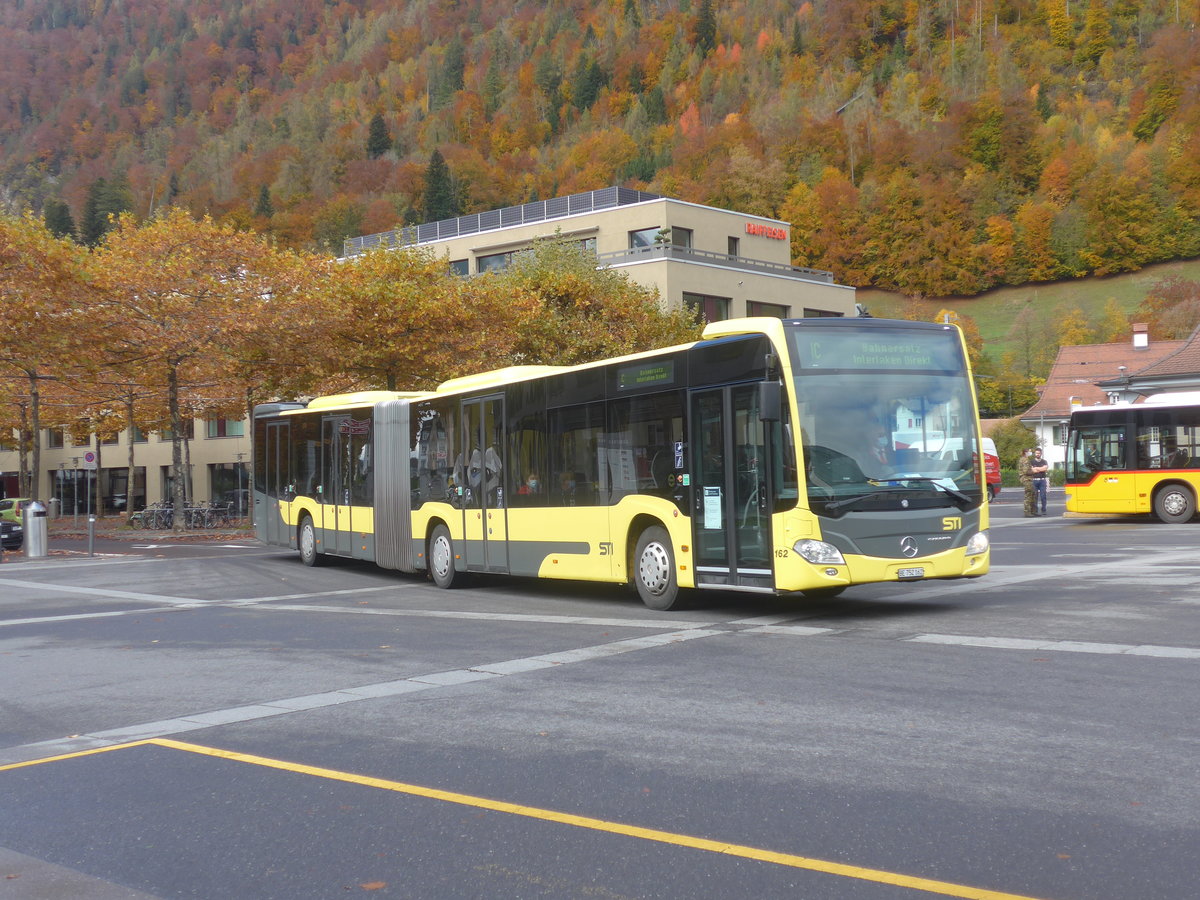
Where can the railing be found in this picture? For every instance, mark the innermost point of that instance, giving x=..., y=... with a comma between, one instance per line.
x=526, y=213
x=689, y=254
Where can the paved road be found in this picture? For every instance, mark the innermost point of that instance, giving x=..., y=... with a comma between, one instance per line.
x=217, y=721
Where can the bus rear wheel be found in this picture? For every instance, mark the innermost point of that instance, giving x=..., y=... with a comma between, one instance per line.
x=441, y=558
x=654, y=570
x=309, y=554
x=1175, y=504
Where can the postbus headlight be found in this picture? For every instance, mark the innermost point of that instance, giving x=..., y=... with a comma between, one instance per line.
x=978, y=543
x=819, y=552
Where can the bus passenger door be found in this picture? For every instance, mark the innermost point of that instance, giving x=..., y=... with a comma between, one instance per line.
x=730, y=506
x=278, y=469
x=485, y=521
x=335, y=494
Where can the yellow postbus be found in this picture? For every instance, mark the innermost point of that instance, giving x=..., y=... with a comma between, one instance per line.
x=1140, y=458
x=771, y=456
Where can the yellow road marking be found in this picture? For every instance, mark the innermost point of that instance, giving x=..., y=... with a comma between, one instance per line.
x=880, y=876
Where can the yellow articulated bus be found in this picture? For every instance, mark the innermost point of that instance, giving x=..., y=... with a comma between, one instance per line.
x=771, y=456
x=1141, y=458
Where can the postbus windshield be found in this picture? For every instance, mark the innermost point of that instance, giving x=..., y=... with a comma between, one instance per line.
x=887, y=418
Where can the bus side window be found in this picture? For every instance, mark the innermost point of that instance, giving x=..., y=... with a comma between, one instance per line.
x=575, y=451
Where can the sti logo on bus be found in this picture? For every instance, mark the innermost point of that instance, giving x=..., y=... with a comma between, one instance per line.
x=606, y=548
x=951, y=523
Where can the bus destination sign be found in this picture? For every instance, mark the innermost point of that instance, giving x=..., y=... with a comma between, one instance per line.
x=878, y=352
x=646, y=374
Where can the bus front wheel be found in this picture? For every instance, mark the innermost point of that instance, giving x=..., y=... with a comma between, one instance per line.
x=654, y=570
x=441, y=558
x=309, y=554
x=1175, y=504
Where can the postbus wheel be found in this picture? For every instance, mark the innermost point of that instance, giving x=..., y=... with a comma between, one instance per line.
x=1175, y=504
x=309, y=554
x=654, y=570
x=441, y=558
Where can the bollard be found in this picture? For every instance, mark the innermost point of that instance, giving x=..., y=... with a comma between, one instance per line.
x=36, y=530
x=91, y=535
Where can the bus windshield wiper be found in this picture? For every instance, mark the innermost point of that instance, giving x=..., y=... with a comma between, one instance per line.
x=960, y=499
x=838, y=507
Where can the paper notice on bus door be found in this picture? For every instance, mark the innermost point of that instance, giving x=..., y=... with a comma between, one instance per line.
x=712, y=508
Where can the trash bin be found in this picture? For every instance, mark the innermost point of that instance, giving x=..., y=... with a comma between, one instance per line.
x=36, y=529
x=55, y=507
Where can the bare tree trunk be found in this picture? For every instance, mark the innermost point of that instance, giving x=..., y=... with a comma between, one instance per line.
x=99, y=507
x=34, y=427
x=23, y=446
x=131, y=469
x=176, y=448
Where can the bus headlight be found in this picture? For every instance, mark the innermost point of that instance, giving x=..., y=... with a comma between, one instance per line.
x=978, y=543
x=819, y=552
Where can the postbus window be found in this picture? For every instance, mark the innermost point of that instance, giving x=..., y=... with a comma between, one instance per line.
x=1102, y=447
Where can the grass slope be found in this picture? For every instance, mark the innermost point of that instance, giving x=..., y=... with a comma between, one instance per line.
x=995, y=311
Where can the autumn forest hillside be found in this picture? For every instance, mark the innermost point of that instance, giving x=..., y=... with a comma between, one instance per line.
x=931, y=148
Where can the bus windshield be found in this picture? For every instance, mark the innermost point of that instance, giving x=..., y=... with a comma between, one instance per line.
x=886, y=420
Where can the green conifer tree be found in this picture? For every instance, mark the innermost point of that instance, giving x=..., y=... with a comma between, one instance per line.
x=58, y=219
x=705, y=34
x=379, y=140
x=441, y=199
x=264, y=208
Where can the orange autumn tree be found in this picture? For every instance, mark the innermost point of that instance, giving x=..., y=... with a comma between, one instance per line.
x=399, y=320
x=43, y=291
x=177, y=294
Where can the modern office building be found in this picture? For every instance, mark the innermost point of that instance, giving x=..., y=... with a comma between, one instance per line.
x=727, y=264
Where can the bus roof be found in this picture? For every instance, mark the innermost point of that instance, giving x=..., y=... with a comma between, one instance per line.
x=361, y=398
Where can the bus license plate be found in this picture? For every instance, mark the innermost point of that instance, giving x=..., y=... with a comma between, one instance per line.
x=911, y=573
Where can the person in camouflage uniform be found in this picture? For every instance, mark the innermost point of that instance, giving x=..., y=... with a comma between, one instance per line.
x=1025, y=476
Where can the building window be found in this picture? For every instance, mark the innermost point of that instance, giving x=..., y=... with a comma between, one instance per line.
x=775, y=310
x=229, y=485
x=460, y=267
x=493, y=262
x=645, y=237
x=735, y=246
x=109, y=441
x=821, y=314
x=1060, y=435
x=54, y=438
x=681, y=237
x=167, y=480
x=137, y=436
x=713, y=309
x=219, y=428
x=588, y=245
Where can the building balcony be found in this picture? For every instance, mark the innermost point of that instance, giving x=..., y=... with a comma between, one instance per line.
x=709, y=258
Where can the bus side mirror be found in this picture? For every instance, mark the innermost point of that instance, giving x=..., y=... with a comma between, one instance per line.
x=770, y=401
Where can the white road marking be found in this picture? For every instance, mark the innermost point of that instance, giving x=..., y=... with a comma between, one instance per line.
x=1006, y=643
x=413, y=684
